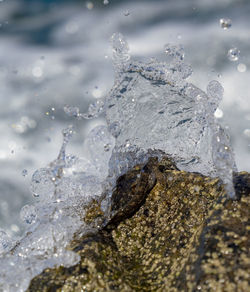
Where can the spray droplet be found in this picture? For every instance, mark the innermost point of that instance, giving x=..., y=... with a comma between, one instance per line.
x=175, y=51
x=25, y=172
x=28, y=214
x=126, y=12
x=68, y=133
x=120, y=49
x=225, y=23
x=89, y=5
x=71, y=111
x=105, y=2
x=246, y=132
x=233, y=54
x=218, y=113
x=242, y=68
x=107, y=147
x=41, y=183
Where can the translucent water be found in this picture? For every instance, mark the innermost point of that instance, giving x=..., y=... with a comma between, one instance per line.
x=233, y=54
x=225, y=23
x=154, y=107
x=62, y=189
x=151, y=110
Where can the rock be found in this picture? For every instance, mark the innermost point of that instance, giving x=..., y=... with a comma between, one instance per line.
x=170, y=231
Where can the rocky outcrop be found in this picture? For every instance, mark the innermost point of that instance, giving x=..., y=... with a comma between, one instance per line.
x=170, y=231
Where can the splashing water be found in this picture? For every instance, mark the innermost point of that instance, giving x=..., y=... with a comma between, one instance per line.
x=151, y=110
x=63, y=189
x=233, y=54
x=225, y=23
x=153, y=106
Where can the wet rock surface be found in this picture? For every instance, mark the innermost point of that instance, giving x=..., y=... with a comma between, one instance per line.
x=171, y=231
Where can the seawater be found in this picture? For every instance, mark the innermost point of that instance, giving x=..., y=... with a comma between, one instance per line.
x=55, y=54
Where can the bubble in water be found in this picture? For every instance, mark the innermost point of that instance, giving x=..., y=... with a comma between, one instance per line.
x=175, y=51
x=24, y=172
x=42, y=183
x=105, y=2
x=28, y=214
x=120, y=48
x=233, y=54
x=71, y=111
x=225, y=23
x=107, y=147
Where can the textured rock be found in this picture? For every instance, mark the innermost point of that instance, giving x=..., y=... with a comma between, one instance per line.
x=170, y=231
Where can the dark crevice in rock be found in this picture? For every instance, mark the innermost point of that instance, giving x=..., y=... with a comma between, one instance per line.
x=241, y=184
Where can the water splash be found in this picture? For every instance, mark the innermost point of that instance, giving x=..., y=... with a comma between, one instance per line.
x=225, y=23
x=63, y=190
x=151, y=110
x=154, y=106
x=233, y=54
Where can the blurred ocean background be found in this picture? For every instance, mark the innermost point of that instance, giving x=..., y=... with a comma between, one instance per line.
x=56, y=52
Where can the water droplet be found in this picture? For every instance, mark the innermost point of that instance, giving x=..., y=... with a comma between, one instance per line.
x=89, y=5
x=37, y=72
x=94, y=110
x=107, y=147
x=71, y=111
x=175, y=51
x=114, y=129
x=233, y=54
x=126, y=12
x=97, y=93
x=68, y=133
x=41, y=183
x=218, y=113
x=28, y=214
x=225, y=23
x=72, y=27
x=120, y=49
x=105, y=2
x=14, y=228
x=246, y=132
x=24, y=172
x=127, y=143
x=242, y=68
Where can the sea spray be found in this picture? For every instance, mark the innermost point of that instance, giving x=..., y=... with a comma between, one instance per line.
x=151, y=111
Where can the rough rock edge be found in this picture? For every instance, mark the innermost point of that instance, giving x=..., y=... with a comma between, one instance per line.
x=148, y=245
